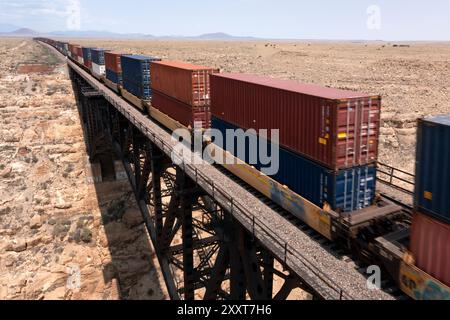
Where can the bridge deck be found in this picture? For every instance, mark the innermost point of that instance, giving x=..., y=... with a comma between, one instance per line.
x=331, y=277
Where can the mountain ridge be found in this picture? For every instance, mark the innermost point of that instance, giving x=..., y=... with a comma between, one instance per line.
x=113, y=35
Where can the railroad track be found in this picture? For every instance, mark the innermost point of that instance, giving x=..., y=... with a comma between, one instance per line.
x=388, y=285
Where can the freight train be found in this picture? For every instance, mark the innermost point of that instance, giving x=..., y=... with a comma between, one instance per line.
x=328, y=149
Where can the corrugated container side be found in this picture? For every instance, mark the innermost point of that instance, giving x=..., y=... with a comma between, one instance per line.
x=430, y=246
x=79, y=52
x=183, y=81
x=336, y=132
x=97, y=69
x=113, y=61
x=185, y=114
x=87, y=57
x=114, y=77
x=432, y=195
x=98, y=56
x=344, y=190
x=136, y=75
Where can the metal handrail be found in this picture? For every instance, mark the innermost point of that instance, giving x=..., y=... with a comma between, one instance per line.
x=218, y=192
x=391, y=173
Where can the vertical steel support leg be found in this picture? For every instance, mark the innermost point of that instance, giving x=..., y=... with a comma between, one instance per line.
x=187, y=198
x=157, y=169
x=268, y=262
x=137, y=145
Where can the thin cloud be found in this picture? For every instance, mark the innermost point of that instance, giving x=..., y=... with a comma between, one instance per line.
x=20, y=11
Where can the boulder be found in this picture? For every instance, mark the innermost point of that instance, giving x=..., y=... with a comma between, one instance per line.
x=132, y=218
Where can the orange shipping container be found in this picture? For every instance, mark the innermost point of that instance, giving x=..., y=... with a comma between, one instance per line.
x=113, y=61
x=430, y=246
x=185, y=82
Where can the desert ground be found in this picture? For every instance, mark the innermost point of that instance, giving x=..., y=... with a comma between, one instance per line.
x=55, y=226
x=61, y=237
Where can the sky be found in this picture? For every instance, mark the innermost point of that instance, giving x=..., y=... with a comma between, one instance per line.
x=284, y=19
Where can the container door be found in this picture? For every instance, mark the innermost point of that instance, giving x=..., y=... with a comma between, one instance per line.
x=367, y=128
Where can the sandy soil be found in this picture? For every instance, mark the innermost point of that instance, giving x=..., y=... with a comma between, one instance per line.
x=413, y=81
x=61, y=237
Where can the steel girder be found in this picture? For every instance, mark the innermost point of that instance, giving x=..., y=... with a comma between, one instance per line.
x=204, y=253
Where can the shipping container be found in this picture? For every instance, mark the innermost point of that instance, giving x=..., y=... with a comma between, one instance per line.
x=185, y=82
x=185, y=114
x=113, y=61
x=430, y=246
x=98, y=56
x=114, y=77
x=73, y=50
x=98, y=70
x=344, y=190
x=87, y=57
x=79, y=51
x=136, y=75
x=432, y=195
x=338, y=128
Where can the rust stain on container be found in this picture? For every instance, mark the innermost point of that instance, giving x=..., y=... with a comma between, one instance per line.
x=430, y=246
x=183, y=81
x=337, y=128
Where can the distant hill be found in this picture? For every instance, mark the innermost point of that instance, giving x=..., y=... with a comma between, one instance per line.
x=26, y=32
x=98, y=34
x=22, y=32
x=221, y=36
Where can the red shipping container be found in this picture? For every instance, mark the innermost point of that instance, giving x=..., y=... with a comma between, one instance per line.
x=183, y=81
x=430, y=246
x=183, y=113
x=337, y=128
x=79, y=51
x=88, y=63
x=112, y=61
x=73, y=48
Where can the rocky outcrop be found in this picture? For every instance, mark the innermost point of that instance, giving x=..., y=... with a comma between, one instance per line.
x=55, y=242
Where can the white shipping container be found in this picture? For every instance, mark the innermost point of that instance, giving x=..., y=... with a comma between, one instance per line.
x=98, y=70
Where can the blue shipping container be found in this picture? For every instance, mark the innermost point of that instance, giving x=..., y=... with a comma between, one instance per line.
x=432, y=195
x=113, y=76
x=345, y=190
x=136, y=74
x=98, y=56
x=86, y=54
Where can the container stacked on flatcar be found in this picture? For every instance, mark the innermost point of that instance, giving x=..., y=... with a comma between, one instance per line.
x=328, y=138
x=113, y=67
x=136, y=75
x=73, y=50
x=87, y=57
x=182, y=91
x=98, y=61
x=430, y=232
